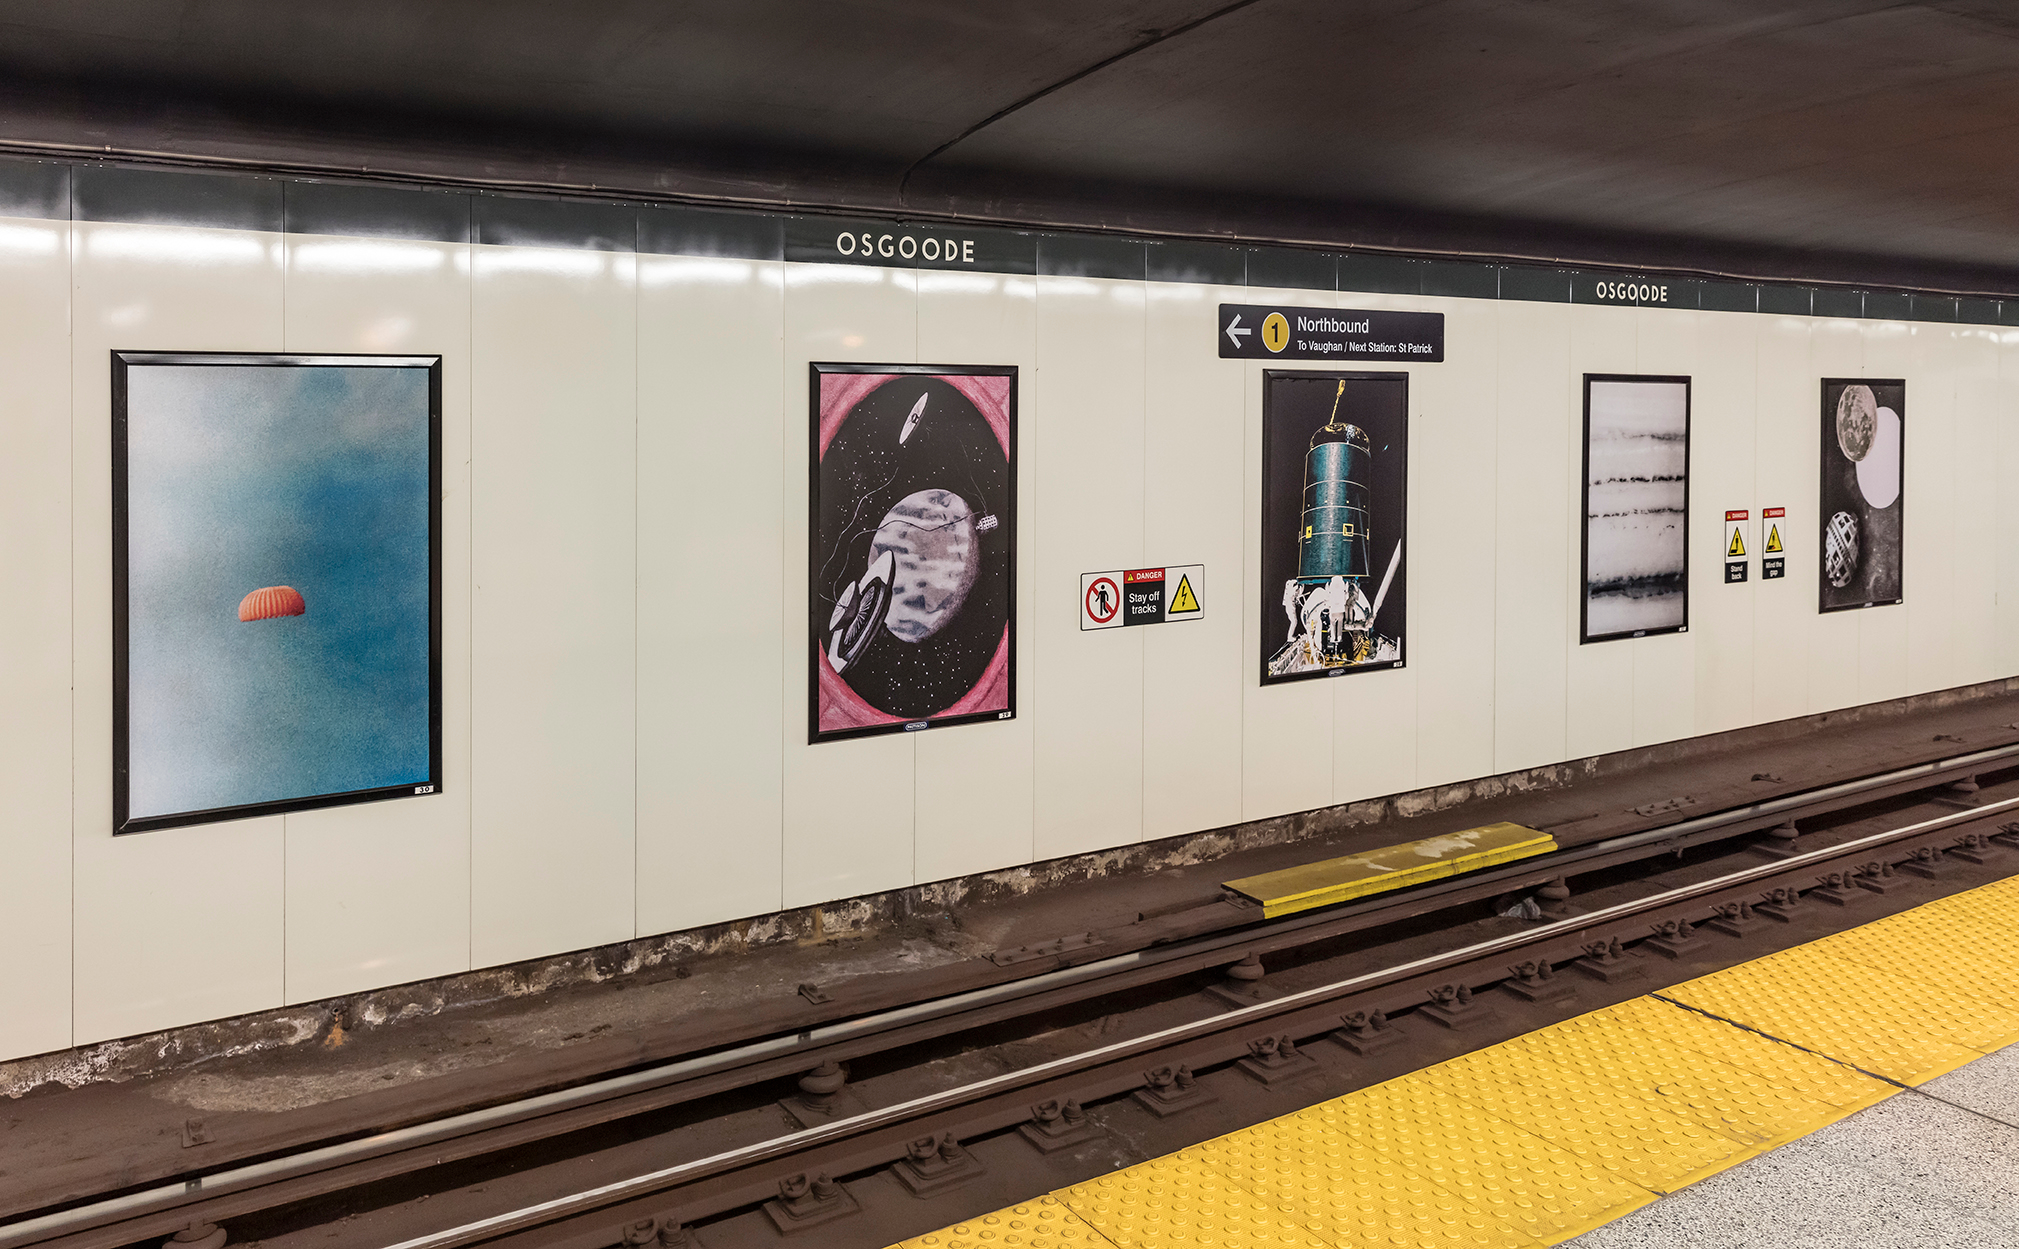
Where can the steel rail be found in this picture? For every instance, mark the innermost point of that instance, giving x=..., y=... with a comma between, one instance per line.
x=668, y=1177
x=237, y=1179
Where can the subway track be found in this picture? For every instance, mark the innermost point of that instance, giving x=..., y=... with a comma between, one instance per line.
x=960, y=1104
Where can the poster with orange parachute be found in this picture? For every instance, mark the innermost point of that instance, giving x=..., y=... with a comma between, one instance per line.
x=276, y=584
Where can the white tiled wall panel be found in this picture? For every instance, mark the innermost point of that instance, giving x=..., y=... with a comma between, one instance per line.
x=1534, y=534
x=624, y=655
x=1453, y=483
x=1599, y=678
x=554, y=460
x=711, y=504
x=1723, y=477
x=184, y=924
x=1087, y=513
x=1787, y=407
x=380, y=894
x=35, y=654
x=849, y=805
x=1192, y=497
x=975, y=789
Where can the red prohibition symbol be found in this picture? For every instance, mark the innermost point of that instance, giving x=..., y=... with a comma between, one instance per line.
x=1104, y=599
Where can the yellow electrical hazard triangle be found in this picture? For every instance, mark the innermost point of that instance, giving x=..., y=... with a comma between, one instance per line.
x=1184, y=600
x=1738, y=544
x=1773, y=539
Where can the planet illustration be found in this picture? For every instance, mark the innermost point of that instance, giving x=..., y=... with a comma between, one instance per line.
x=931, y=533
x=1840, y=549
x=1857, y=416
x=1879, y=469
x=911, y=560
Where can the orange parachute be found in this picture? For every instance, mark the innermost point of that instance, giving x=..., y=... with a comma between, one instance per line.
x=272, y=601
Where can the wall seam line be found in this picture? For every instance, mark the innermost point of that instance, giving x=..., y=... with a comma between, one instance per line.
x=70, y=516
x=637, y=545
x=470, y=816
x=280, y=244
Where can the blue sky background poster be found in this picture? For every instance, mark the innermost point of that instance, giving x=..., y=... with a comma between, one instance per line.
x=241, y=477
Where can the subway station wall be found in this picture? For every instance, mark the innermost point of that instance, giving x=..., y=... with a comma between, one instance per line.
x=624, y=591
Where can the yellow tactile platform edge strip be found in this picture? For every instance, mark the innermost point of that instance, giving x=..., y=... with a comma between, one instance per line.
x=1544, y=1137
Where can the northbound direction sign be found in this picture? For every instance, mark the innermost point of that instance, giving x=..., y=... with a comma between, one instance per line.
x=1273, y=332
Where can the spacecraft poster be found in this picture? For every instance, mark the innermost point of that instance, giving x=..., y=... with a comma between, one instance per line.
x=1863, y=436
x=1335, y=476
x=912, y=547
x=276, y=583
x=1636, y=506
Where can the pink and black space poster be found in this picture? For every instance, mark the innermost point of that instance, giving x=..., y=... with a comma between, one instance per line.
x=912, y=547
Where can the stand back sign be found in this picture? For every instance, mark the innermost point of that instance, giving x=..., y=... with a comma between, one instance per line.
x=1272, y=332
x=1141, y=596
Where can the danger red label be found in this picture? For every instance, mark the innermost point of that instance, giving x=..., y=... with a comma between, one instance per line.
x=1736, y=515
x=1773, y=513
x=1134, y=575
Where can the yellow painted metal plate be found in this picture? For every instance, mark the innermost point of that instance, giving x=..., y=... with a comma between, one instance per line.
x=1391, y=867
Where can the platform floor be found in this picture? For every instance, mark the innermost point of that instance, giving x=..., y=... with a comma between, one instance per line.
x=1821, y=1096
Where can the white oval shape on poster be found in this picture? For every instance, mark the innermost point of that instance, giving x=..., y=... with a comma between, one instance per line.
x=1879, y=471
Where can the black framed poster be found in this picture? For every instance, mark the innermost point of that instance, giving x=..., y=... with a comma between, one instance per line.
x=276, y=530
x=1335, y=505
x=1862, y=510
x=1635, y=565
x=912, y=547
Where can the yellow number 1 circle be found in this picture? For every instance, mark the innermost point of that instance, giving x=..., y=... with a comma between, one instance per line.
x=1275, y=332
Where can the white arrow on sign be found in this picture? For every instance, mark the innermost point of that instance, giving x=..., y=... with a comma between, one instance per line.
x=1234, y=330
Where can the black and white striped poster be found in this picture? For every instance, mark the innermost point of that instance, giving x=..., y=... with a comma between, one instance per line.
x=1636, y=506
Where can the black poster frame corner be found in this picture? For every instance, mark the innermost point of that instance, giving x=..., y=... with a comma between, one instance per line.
x=1585, y=637
x=815, y=370
x=1823, y=606
x=1263, y=677
x=123, y=822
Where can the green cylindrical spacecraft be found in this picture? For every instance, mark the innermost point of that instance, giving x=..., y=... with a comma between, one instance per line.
x=1334, y=537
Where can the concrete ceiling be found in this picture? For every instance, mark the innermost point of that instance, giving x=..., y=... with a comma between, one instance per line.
x=1838, y=140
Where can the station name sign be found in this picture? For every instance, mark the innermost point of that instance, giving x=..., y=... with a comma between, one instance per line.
x=1273, y=332
x=904, y=245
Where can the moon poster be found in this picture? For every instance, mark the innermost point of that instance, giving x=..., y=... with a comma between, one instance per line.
x=1863, y=435
x=1636, y=506
x=1335, y=479
x=912, y=548
x=276, y=583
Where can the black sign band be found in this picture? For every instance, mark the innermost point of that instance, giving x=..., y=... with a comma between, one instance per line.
x=1269, y=332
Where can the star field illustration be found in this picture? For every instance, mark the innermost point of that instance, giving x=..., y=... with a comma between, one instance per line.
x=911, y=590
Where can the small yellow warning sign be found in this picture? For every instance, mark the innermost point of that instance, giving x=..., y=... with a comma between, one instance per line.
x=1184, y=600
x=1738, y=546
x=1773, y=540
